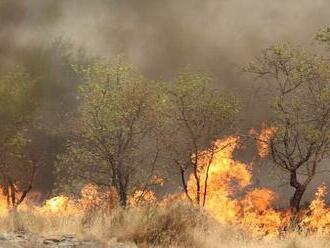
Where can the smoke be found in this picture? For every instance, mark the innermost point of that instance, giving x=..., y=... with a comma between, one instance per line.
x=162, y=37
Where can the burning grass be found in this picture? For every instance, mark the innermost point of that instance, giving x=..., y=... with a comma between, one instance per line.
x=226, y=219
x=175, y=225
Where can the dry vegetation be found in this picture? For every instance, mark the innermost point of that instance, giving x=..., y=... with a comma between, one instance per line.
x=152, y=155
x=226, y=219
x=178, y=225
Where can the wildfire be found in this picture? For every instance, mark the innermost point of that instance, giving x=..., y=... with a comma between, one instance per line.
x=226, y=178
x=142, y=197
x=219, y=175
x=3, y=204
x=226, y=192
x=253, y=210
x=263, y=138
x=259, y=218
x=91, y=198
x=57, y=204
x=317, y=219
x=259, y=199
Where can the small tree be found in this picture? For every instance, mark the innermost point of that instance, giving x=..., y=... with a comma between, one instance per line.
x=17, y=109
x=197, y=114
x=323, y=36
x=300, y=85
x=115, y=143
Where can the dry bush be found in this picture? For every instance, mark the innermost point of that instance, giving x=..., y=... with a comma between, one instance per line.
x=152, y=226
x=175, y=225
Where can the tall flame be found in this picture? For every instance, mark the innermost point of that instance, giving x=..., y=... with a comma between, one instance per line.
x=226, y=179
x=226, y=192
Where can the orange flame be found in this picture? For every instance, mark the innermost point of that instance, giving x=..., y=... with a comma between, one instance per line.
x=318, y=218
x=226, y=192
x=142, y=197
x=226, y=178
x=263, y=139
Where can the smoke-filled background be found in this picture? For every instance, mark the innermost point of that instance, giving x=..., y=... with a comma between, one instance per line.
x=160, y=37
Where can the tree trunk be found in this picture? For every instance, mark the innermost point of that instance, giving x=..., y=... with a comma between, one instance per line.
x=296, y=199
x=122, y=196
x=197, y=183
x=184, y=184
x=123, y=199
x=198, y=192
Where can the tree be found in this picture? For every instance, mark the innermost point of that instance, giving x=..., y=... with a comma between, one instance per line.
x=300, y=85
x=323, y=36
x=17, y=112
x=56, y=88
x=196, y=115
x=115, y=143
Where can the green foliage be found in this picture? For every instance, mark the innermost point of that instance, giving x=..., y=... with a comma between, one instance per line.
x=116, y=100
x=125, y=122
x=301, y=88
x=197, y=113
x=300, y=84
x=17, y=108
x=118, y=117
x=323, y=36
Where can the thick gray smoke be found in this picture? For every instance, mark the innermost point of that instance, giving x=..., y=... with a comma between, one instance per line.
x=163, y=36
x=213, y=35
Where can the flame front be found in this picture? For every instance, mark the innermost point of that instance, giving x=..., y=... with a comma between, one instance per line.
x=226, y=179
x=226, y=192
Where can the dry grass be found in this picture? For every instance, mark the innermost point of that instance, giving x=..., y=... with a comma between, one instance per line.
x=177, y=225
